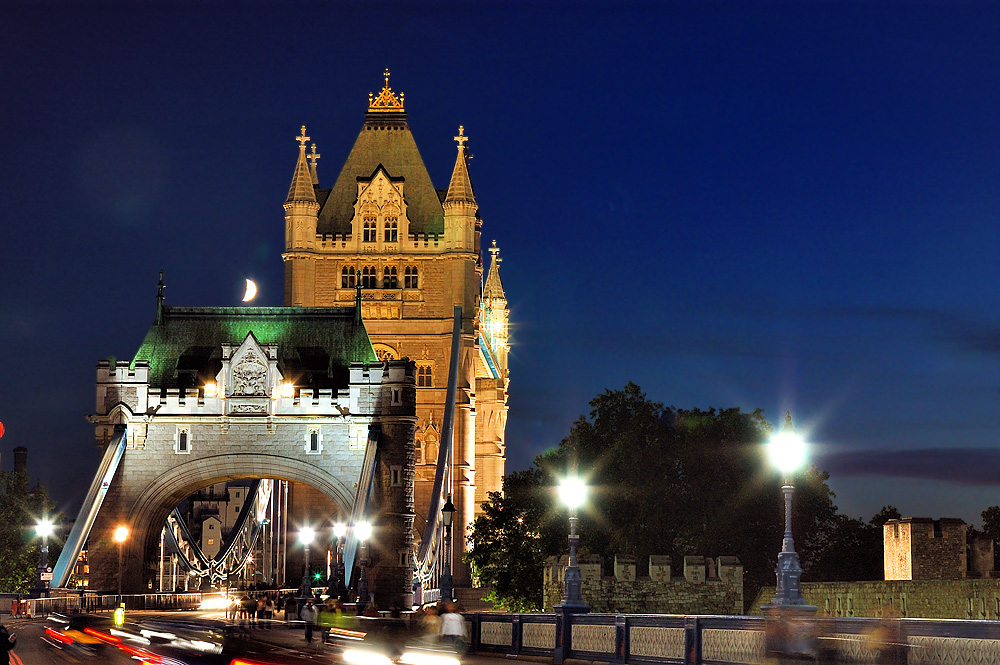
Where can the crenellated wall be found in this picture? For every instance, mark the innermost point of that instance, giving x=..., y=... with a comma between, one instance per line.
x=707, y=586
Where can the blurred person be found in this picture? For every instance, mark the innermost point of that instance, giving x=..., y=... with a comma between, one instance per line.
x=268, y=610
x=887, y=639
x=309, y=614
x=430, y=624
x=453, y=628
x=7, y=642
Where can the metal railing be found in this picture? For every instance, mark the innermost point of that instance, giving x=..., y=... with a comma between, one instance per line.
x=657, y=639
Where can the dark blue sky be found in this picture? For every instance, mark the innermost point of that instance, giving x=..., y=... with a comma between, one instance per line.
x=776, y=205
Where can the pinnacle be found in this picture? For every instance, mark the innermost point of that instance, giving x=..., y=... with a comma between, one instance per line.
x=301, y=190
x=460, y=188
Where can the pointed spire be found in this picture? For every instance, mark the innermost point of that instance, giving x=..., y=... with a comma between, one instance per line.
x=460, y=188
x=302, y=180
x=159, y=301
x=493, y=289
x=313, y=157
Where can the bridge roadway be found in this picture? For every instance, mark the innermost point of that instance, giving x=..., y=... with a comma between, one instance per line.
x=280, y=644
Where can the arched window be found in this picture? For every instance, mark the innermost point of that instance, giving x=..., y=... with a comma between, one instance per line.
x=347, y=276
x=370, y=228
x=410, y=277
x=389, y=279
x=369, y=278
x=391, y=229
x=424, y=376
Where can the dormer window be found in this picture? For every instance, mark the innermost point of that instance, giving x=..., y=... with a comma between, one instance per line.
x=391, y=229
x=370, y=228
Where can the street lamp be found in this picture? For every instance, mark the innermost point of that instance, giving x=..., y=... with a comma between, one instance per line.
x=44, y=529
x=339, y=531
x=787, y=452
x=573, y=492
x=121, y=535
x=447, y=584
x=363, y=531
x=306, y=535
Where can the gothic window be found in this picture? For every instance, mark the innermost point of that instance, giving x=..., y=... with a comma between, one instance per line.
x=182, y=442
x=389, y=279
x=347, y=276
x=370, y=228
x=424, y=376
x=314, y=442
x=410, y=277
x=391, y=229
x=369, y=278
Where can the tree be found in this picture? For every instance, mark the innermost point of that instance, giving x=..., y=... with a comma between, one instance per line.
x=20, y=509
x=848, y=549
x=991, y=523
x=664, y=481
x=510, y=540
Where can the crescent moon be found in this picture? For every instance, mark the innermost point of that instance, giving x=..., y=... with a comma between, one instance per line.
x=251, y=291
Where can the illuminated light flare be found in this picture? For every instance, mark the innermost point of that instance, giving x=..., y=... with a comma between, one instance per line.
x=356, y=657
x=104, y=637
x=572, y=492
x=211, y=389
x=141, y=654
x=59, y=637
x=416, y=658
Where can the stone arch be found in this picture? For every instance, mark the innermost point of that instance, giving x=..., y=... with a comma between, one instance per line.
x=150, y=510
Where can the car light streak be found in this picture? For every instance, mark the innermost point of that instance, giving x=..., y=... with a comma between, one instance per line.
x=356, y=657
x=417, y=658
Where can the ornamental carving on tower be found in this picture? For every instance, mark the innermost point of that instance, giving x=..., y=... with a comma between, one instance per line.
x=250, y=376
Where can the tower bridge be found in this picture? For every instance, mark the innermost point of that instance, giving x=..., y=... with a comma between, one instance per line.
x=381, y=385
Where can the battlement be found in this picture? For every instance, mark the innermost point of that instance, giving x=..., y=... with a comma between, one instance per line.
x=333, y=240
x=707, y=586
x=424, y=239
x=921, y=548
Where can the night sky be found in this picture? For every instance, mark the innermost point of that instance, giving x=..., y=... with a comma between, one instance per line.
x=775, y=205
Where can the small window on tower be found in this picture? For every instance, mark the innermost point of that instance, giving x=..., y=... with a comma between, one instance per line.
x=391, y=229
x=182, y=444
x=389, y=279
x=347, y=276
x=410, y=277
x=370, y=228
x=313, y=441
x=424, y=376
x=182, y=441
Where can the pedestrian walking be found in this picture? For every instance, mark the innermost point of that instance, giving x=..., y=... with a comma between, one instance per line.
x=453, y=628
x=309, y=615
x=7, y=642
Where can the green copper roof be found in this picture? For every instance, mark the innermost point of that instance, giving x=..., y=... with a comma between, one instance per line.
x=315, y=344
x=385, y=139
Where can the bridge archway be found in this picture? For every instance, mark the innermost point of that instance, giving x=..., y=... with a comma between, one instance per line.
x=149, y=512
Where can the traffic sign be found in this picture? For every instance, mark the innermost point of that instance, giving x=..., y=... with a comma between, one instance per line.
x=47, y=577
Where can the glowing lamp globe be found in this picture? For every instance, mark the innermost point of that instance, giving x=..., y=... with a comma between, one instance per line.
x=121, y=534
x=339, y=529
x=306, y=535
x=787, y=451
x=363, y=530
x=44, y=528
x=572, y=492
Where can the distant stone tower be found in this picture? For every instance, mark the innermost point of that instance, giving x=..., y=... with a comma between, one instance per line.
x=20, y=459
x=416, y=252
x=919, y=548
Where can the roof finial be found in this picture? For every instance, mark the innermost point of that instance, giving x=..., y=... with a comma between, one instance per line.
x=312, y=158
x=461, y=138
x=302, y=139
x=386, y=101
x=159, y=300
x=495, y=253
x=788, y=422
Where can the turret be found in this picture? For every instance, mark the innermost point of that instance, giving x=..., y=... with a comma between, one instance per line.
x=301, y=208
x=460, y=206
x=493, y=315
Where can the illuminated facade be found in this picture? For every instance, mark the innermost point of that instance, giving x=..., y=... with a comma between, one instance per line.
x=416, y=252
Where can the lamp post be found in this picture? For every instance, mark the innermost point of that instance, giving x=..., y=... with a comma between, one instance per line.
x=306, y=535
x=447, y=584
x=363, y=531
x=787, y=452
x=339, y=531
x=121, y=535
x=572, y=492
x=44, y=529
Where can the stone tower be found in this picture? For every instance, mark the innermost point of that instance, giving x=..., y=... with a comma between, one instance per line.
x=919, y=548
x=415, y=250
